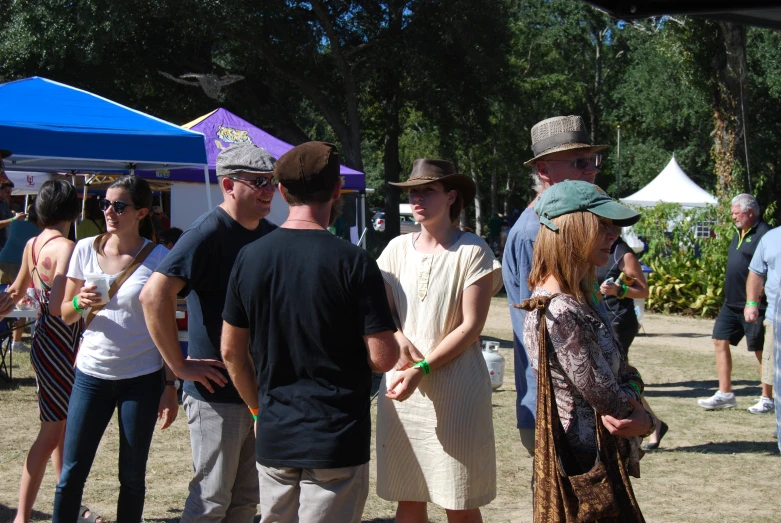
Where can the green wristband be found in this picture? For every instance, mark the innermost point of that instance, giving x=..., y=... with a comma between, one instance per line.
x=752, y=304
x=624, y=290
x=255, y=417
x=13, y=218
x=423, y=365
x=76, y=307
x=635, y=387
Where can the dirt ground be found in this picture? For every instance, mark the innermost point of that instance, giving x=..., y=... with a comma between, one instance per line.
x=712, y=467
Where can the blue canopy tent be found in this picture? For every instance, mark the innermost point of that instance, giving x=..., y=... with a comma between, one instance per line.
x=49, y=126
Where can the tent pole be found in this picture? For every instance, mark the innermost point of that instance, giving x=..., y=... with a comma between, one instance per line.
x=26, y=202
x=84, y=199
x=618, y=164
x=362, y=243
x=73, y=182
x=208, y=187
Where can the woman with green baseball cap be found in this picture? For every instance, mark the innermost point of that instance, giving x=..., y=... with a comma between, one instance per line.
x=589, y=416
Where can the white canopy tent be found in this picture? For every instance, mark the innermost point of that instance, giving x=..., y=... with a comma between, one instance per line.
x=672, y=185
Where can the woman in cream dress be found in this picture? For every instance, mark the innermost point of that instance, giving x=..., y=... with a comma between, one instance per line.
x=435, y=439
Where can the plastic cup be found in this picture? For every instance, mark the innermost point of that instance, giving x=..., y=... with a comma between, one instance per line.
x=101, y=283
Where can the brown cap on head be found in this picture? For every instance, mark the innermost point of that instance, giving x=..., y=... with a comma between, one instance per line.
x=309, y=167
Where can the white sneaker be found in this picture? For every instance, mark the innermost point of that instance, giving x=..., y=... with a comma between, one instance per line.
x=718, y=401
x=19, y=346
x=763, y=406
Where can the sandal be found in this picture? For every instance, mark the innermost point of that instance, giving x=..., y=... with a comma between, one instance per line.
x=92, y=518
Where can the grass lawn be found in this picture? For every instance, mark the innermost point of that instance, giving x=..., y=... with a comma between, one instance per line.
x=712, y=467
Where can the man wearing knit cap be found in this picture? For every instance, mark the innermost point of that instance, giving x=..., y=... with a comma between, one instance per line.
x=562, y=151
x=310, y=310
x=225, y=483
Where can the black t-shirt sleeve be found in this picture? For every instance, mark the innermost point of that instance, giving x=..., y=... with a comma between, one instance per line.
x=188, y=260
x=235, y=313
x=621, y=249
x=374, y=309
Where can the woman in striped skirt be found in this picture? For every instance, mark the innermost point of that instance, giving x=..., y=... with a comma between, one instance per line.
x=54, y=343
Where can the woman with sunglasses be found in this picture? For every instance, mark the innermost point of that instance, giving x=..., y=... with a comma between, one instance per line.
x=44, y=263
x=118, y=366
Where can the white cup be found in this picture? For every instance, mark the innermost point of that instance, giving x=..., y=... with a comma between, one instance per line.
x=101, y=284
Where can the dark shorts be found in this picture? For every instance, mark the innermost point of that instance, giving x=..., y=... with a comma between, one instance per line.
x=731, y=325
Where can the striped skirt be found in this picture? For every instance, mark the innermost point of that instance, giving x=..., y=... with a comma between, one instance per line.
x=53, y=356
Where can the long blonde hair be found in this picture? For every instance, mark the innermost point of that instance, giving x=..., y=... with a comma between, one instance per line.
x=562, y=254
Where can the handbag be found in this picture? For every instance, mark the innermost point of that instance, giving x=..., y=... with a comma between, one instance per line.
x=563, y=493
x=123, y=276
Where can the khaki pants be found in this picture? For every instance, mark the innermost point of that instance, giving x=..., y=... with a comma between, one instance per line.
x=768, y=361
x=289, y=495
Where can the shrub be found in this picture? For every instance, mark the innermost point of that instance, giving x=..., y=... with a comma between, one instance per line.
x=688, y=269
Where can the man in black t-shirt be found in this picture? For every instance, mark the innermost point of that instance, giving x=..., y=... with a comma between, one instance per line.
x=731, y=326
x=224, y=486
x=311, y=311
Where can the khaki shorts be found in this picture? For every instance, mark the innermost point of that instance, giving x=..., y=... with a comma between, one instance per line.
x=313, y=495
x=768, y=361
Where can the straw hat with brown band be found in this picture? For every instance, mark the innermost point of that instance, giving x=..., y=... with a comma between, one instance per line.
x=560, y=133
x=425, y=170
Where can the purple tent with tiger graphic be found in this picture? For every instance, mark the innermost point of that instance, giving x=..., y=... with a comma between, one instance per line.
x=221, y=128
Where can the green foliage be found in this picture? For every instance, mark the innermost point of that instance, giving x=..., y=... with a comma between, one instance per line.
x=689, y=272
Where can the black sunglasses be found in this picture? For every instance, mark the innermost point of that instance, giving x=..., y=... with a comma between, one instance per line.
x=581, y=163
x=119, y=207
x=258, y=182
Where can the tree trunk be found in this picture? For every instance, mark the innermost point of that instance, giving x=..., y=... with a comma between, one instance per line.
x=351, y=142
x=478, y=206
x=390, y=154
x=494, y=188
x=508, y=190
x=730, y=99
x=390, y=158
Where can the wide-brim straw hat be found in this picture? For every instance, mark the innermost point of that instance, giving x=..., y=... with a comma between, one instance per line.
x=425, y=170
x=560, y=133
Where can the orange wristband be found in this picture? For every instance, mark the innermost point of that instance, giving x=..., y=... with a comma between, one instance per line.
x=254, y=413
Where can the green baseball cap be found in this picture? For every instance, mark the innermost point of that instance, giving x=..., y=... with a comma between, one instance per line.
x=576, y=196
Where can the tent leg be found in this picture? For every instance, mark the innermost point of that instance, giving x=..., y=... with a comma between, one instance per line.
x=84, y=200
x=73, y=182
x=362, y=243
x=208, y=188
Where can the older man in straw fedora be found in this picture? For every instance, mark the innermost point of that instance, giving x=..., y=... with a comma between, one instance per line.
x=562, y=151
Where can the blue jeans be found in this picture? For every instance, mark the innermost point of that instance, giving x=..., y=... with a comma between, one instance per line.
x=91, y=407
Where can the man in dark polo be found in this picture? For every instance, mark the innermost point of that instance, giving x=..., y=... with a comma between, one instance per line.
x=731, y=325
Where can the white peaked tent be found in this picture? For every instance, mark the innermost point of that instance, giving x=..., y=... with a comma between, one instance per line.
x=671, y=186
